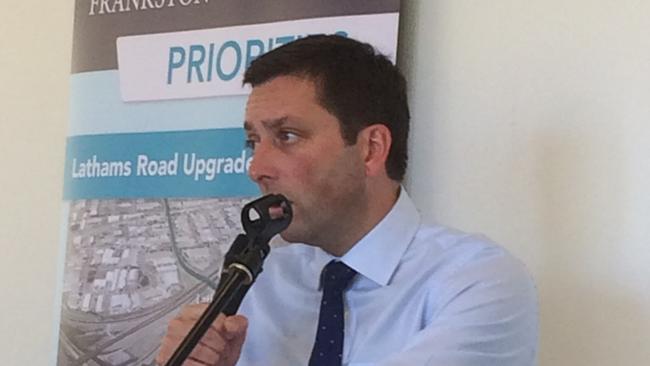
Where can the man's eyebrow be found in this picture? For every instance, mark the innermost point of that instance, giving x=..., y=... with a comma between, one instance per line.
x=273, y=123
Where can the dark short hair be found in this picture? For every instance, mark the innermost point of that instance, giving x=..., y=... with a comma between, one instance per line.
x=355, y=83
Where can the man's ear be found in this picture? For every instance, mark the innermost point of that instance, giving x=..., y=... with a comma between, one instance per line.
x=376, y=141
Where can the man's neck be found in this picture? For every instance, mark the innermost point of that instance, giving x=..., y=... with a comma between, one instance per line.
x=380, y=202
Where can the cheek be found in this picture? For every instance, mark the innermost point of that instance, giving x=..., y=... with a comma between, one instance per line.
x=311, y=180
x=320, y=175
x=332, y=176
x=303, y=171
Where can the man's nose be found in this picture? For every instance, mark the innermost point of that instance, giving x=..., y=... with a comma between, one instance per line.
x=264, y=163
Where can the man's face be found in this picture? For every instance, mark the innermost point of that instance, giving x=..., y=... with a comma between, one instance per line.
x=300, y=153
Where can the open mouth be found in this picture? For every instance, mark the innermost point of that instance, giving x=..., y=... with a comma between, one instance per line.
x=280, y=210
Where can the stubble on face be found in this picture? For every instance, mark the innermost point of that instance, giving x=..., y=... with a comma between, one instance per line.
x=322, y=176
x=330, y=207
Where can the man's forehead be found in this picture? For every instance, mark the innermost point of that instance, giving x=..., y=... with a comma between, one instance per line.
x=273, y=107
x=270, y=103
x=266, y=105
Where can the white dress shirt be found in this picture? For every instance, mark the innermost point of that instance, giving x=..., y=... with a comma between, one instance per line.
x=424, y=295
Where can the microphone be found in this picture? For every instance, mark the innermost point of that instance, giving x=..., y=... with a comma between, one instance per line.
x=262, y=219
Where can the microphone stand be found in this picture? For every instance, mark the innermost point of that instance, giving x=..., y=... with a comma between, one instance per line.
x=242, y=265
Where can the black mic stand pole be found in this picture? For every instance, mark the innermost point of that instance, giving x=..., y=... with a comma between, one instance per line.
x=242, y=265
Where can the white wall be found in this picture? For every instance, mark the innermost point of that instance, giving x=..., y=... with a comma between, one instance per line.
x=531, y=124
x=35, y=45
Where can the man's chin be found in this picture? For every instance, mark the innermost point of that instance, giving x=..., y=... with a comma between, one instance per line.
x=293, y=235
x=286, y=236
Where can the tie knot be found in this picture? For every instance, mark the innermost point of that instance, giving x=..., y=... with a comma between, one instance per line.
x=337, y=276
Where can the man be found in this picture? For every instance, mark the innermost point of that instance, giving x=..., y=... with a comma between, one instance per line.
x=328, y=121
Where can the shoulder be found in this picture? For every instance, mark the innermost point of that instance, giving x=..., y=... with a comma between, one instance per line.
x=469, y=269
x=459, y=254
x=478, y=302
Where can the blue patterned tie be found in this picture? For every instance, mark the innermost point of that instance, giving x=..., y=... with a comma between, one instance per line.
x=328, y=348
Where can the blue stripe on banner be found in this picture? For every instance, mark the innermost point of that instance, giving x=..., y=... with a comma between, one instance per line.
x=201, y=163
x=97, y=107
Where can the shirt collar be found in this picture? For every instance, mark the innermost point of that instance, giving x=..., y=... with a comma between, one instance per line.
x=377, y=255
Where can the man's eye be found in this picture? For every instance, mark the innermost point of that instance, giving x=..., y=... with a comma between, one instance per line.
x=250, y=144
x=287, y=137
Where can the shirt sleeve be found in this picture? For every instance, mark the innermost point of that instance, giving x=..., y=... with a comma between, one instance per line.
x=487, y=315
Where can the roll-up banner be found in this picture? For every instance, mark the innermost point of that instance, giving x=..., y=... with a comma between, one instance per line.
x=156, y=168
